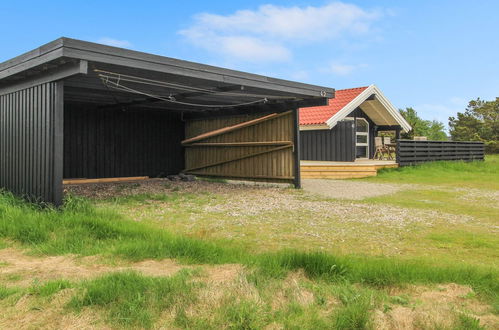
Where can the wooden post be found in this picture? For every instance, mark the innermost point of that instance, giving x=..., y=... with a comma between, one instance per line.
x=397, y=152
x=296, y=153
x=58, y=151
x=397, y=133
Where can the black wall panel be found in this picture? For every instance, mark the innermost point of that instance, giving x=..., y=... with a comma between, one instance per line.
x=103, y=143
x=31, y=137
x=337, y=144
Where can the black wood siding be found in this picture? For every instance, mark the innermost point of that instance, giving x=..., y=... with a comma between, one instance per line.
x=337, y=144
x=31, y=126
x=102, y=143
x=411, y=152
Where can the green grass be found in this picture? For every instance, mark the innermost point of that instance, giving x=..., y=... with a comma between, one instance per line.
x=49, y=288
x=356, y=309
x=477, y=174
x=79, y=228
x=453, y=202
x=458, y=238
x=466, y=322
x=7, y=291
x=132, y=299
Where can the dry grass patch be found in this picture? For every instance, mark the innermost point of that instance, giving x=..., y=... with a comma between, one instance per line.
x=31, y=268
x=441, y=306
x=31, y=312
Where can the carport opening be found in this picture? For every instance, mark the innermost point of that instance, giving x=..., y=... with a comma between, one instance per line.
x=123, y=126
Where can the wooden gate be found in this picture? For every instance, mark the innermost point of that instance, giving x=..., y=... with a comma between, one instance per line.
x=253, y=147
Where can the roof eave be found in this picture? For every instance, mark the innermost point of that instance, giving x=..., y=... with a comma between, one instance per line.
x=92, y=52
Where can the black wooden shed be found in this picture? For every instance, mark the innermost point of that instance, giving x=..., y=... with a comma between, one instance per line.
x=75, y=109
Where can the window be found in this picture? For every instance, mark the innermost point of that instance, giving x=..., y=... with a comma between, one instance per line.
x=362, y=138
x=362, y=125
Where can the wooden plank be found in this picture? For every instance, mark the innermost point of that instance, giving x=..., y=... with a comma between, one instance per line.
x=237, y=158
x=235, y=175
x=240, y=144
x=104, y=180
x=232, y=128
x=352, y=170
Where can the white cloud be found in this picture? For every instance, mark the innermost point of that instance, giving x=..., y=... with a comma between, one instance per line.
x=266, y=30
x=114, y=42
x=248, y=48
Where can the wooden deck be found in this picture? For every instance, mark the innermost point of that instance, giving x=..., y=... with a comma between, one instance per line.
x=343, y=170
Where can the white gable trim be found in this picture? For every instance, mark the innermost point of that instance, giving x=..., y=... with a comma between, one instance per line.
x=357, y=101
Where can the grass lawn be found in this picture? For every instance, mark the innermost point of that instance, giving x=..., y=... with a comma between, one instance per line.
x=481, y=175
x=250, y=258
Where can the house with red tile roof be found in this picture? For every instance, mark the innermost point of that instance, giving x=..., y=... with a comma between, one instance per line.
x=344, y=130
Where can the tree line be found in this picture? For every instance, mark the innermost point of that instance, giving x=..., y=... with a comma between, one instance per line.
x=479, y=122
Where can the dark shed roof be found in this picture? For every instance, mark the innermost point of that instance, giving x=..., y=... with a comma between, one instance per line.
x=110, y=75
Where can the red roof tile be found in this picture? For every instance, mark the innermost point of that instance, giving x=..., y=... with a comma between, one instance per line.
x=319, y=115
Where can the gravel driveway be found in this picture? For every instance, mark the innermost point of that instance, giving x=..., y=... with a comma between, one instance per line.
x=348, y=189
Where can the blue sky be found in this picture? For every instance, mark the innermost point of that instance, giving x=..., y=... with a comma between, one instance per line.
x=431, y=55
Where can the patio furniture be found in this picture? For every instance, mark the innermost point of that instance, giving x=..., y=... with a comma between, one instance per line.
x=389, y=147
x=380, y=148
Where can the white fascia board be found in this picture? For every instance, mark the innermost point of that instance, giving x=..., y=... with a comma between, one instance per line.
x=392, y=110
x=357, y=101
x=314, y=127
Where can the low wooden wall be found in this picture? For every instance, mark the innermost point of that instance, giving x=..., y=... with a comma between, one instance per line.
x=249, y=147
x=411, y=152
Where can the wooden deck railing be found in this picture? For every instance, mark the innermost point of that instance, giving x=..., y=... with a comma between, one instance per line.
x=411, y=152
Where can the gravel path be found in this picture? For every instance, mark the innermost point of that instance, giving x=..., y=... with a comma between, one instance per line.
x=347, y=189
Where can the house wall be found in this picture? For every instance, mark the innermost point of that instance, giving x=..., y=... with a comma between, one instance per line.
x=336, y=144
x=101, y=143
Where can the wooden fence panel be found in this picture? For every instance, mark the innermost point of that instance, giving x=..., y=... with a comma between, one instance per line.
x=255, y=147
x=411, y=152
